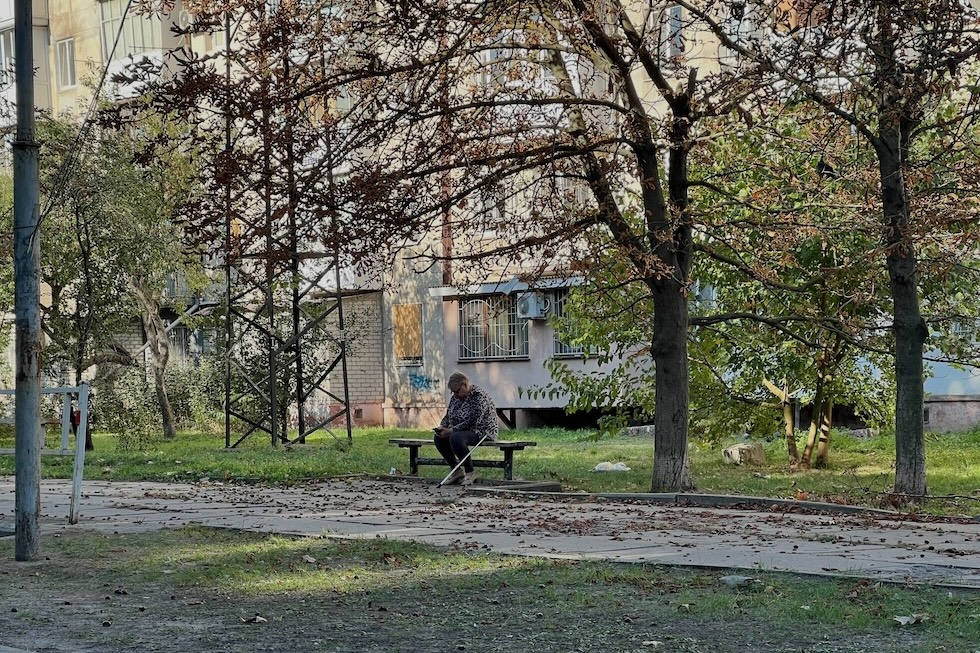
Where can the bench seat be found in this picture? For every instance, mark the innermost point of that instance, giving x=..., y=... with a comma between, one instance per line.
x=508, y=447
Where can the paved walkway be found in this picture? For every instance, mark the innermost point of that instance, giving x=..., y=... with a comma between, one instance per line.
x=872, y=545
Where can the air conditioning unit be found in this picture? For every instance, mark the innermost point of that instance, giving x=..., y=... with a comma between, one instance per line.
x=533, y=306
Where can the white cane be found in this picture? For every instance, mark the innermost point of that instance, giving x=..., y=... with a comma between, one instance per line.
x=460, y=463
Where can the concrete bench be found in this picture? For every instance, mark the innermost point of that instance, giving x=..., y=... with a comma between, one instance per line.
x=507, y=447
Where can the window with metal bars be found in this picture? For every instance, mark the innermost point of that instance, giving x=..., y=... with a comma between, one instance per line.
x=490, y=329
x=561, y=348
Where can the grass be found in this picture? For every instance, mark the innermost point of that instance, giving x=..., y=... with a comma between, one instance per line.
x=860, y=472
x=158, y=588
x=192, y=588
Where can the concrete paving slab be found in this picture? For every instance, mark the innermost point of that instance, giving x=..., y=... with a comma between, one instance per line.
x=874, y=545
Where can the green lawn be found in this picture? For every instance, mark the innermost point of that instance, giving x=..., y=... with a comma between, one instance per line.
x=200, y=589
x=860, y=472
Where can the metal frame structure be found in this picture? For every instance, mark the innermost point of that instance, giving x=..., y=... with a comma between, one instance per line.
x=279, y=299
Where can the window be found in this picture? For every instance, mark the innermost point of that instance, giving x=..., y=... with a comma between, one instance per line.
x=675, y=31
x=180, y=341
x=573, y=190
x=344, y=102
x=965, y=330
x=741, y=26
x=140, y=33
x=489, y=67
x=490, y=329
x=493, y=204
x=65, y=53
x=563, y=348
x=408, y=334
x=7, y=56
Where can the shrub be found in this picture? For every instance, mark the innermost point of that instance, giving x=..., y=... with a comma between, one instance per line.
x=197, y=392
x=127, y=406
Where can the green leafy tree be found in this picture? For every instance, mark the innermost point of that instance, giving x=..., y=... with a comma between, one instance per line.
x=109, y=246
x=887, y=70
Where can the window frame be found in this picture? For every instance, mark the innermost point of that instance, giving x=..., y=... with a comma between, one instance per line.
x=7, y=49
x=400, y=312
x=65, y=64
x=561, y=349
x=675, y=31
x=141, y=34
x=483, y=336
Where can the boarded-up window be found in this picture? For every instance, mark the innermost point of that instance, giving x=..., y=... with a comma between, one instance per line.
x=408, y=334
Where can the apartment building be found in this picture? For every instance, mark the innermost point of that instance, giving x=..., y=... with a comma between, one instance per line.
x=418, y=326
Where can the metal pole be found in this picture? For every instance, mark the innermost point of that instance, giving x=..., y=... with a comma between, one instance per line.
x=229, y=270
x=462, y=460
x=332, y=189
x=294, y=262
x=27, y=311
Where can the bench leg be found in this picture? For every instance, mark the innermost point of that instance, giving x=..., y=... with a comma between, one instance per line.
x=509, y=464
x=413, y=461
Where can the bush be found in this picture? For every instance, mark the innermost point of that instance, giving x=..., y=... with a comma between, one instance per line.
x=127, y=406
x=196, y=393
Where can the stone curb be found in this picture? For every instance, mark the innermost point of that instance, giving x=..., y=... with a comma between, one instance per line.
x=704, y=500
x=548, y=489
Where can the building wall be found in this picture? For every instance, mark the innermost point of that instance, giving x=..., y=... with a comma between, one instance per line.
x=42, y=71
x=415, y=394
x=78, y=20
x=364, y=363
x=945, y=379
x=508, y=381
x=949, y=413
x=952, y=398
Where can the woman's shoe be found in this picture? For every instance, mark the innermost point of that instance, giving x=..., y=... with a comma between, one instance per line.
x=455, y=477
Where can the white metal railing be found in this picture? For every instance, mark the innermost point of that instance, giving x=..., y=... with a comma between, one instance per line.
x=68, y=395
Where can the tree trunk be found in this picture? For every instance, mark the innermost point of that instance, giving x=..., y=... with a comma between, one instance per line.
x=84, y=240
x=156, y=338
x=896, y=124
x=789, y=421
x=89, y=443
x=909, y=327
x=671, y=468
x=671, y=240
x=160, y=350
x=815, y=418
x=823, y=443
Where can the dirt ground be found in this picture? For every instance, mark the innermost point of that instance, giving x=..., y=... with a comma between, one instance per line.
x=57, y=605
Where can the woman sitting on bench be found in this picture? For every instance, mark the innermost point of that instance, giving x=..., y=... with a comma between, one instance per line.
x=470, y=416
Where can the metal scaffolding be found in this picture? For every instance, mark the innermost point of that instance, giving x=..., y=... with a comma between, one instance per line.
x=284, y=335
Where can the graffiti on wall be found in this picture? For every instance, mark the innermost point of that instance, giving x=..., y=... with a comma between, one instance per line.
x=422, y=382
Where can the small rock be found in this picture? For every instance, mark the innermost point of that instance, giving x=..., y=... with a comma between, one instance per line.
x=737, y=581
x=745, y=453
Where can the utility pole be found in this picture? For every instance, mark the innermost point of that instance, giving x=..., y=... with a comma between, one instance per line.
x=27, y=296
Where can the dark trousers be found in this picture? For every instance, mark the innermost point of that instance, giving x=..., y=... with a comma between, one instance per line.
x=456, y=446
